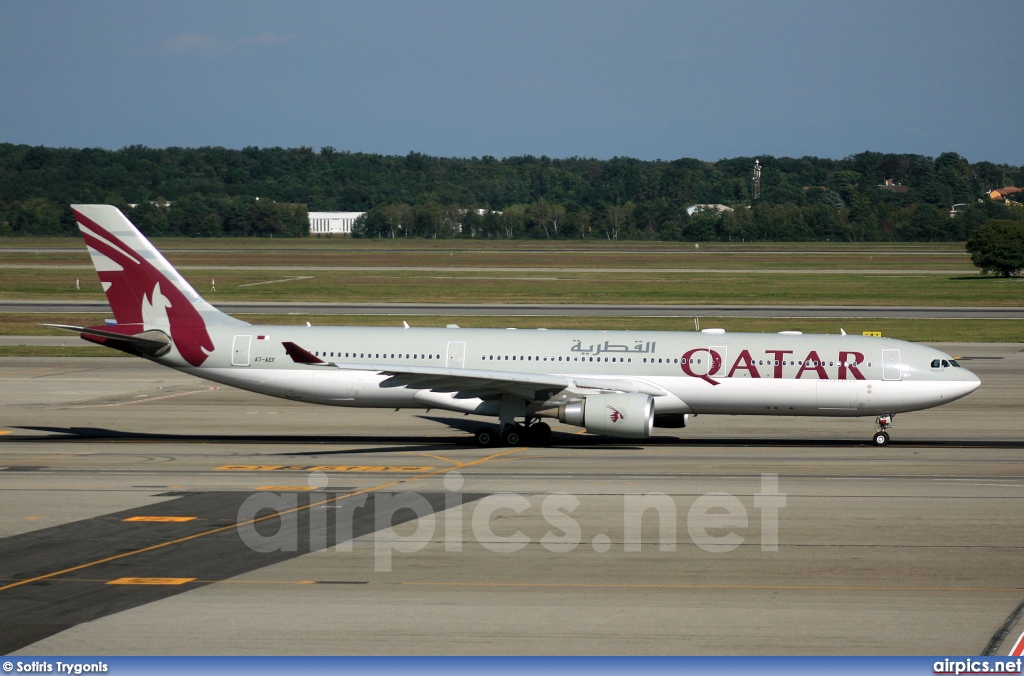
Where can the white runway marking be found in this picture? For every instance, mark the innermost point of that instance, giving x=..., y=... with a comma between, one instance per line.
x=277, y=281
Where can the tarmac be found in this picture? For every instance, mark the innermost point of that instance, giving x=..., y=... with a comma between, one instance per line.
x=143, y=511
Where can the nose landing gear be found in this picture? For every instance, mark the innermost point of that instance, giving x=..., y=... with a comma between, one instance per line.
x=882, y=423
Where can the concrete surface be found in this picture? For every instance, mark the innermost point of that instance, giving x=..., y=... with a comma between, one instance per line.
x=911, y=549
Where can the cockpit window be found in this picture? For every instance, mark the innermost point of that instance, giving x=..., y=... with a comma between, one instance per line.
x=953, y=362
x=945, y=363
x=935, y=363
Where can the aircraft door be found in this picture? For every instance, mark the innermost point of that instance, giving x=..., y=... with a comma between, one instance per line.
x=891, y=366
x=710, y=361
x=240, y=351
x=456, y=355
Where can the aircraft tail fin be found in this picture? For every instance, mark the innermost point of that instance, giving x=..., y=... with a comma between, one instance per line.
x=143, y=289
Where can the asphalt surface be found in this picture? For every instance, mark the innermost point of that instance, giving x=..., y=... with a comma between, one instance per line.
x=573, y=310
x=589, y=546
x=206, y=548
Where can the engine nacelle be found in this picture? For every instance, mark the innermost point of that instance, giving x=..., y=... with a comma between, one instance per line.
x=628, y=416
x=672, y=420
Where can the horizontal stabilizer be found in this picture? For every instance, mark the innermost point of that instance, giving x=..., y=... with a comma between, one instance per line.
x=155, y=343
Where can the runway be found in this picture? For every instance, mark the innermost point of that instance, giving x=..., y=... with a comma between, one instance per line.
x=573, y=310
x=137, y=506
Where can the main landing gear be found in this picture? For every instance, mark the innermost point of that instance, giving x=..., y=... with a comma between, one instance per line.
x=511, y=433
x=882, y=423
x=537, y=434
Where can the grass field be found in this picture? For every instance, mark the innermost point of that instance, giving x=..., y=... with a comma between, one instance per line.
x=349, y=244
x=917, y=330
x=576, y=272
x=552, y=286
x=532, y=272
x=599, y=254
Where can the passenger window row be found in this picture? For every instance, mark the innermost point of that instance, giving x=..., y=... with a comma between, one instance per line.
x=613, y=360
x=936, y=363
x=378, y=355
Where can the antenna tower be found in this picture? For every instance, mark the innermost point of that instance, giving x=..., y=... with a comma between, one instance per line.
x=757, y=179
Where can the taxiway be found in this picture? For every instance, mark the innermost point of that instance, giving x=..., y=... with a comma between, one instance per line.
x=127, y=492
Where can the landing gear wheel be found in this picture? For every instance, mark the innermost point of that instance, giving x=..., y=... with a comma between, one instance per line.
x=540, y=434
x=486, y=437
x=881, y=439
x=513, y=436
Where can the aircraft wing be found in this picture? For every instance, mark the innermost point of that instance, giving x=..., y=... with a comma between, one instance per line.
x=472, y=383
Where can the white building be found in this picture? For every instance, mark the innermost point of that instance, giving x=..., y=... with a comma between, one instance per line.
x=332, y=222
x=715, y=208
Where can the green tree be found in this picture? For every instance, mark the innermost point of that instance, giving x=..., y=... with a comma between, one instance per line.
x=491, y=224
x=513, y=220
x=265, y=220
x=998, y=246
x=399, y=218
x=702, y=225
x=192, y=217
x=149, y=218
x=452, y=216
x=927, y=224
x=218, y=185
x=36, y=216
x=427, y=218
x=617, y=218
x=833, y=199
x=472, y=222
x=371, y=224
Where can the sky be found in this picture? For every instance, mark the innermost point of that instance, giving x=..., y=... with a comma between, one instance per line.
x=561, y=78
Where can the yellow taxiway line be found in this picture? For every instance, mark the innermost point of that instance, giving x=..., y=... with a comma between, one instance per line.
x=223, y=529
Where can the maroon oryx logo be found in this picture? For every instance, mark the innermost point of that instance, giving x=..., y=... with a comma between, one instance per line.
x=137, y=285
x=616, y=415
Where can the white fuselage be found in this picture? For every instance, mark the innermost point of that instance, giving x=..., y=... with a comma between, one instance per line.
x=688, y=372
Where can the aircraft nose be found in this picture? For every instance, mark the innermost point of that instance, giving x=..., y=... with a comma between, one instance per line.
x=971, y=382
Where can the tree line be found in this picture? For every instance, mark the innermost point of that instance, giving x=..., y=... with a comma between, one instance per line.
x=214, y=191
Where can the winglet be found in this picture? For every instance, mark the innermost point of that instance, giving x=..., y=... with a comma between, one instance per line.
x=300, y=355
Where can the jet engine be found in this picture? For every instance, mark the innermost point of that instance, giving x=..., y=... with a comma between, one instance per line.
x=629, y=416
x=672, y=420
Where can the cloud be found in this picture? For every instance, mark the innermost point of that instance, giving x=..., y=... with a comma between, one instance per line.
x=264, y=39
x=195, y=44
x=191, y=43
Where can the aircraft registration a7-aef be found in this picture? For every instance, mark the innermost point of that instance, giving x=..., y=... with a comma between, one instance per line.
x=615, y=383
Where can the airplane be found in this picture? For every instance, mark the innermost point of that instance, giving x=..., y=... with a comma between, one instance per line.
x=621, y=384
x=1018, y=648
